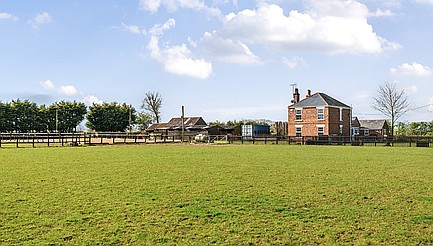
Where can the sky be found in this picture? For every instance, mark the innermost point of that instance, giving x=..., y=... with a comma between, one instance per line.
x=221, y=59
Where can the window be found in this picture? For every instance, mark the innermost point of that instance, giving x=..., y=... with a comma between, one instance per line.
x=366, y=132
x=298, y=114
x=320, y=114
x=320, y=130
x=341, y=114
x=355, y=131
x=298, y=131
x=341, y=130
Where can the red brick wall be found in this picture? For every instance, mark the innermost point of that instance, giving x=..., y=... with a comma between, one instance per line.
x=309, y=121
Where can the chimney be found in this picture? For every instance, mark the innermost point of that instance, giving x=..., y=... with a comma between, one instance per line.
x=308, y=93
x=296, y=96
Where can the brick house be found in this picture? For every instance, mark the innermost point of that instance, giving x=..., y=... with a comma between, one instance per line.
x=318, y=114
x=374, y=128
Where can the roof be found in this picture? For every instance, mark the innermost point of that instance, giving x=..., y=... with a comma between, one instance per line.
x=176, y=124
x=319, y=99
x=155, y=126
x=187, y=121
x=373, y=124
x=355, y=122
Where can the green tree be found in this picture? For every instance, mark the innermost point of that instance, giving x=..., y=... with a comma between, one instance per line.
x=24, y=115
x=144, y=120
x=6, y=121
x=110, y=117
x=65, y=116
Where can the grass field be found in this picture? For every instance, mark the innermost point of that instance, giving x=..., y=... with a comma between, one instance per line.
x=225, y=195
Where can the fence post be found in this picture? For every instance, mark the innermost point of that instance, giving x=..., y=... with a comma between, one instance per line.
x=33, y=141
x=17, y=142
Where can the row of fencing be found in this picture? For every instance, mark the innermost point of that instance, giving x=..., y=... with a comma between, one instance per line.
x=77, y=139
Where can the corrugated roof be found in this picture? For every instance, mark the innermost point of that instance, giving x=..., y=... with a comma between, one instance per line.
x=155, y=126
x=188, y=121
x=319, y=99
x=373, y=124
x=176, y=124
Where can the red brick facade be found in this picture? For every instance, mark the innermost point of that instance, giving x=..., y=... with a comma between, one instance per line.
x=332, y=123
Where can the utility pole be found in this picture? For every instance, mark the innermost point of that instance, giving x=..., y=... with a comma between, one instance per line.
x=182, y=119
x=57, y=120
x=130, y=118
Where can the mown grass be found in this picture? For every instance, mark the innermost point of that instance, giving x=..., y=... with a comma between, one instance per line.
x=225, y=195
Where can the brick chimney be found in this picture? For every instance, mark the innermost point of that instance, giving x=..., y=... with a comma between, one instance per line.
x=308, y=93
x=296, y=96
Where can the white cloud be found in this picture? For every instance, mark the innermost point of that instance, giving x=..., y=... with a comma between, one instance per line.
x=381, y=13
x=226, y=50
x=293, y=63
x=177, y=59
x=67, y=90
x=172, y=5
x=414, y=69
x=133, y=29
x=158, y=29
x=7, y=16
x=328, y=26
x=411, y=89
x=47, y=84
x=425, y=1
x=89, y=100
x=40, y=19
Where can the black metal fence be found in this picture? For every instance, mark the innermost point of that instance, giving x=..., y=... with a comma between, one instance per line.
x=77, y=139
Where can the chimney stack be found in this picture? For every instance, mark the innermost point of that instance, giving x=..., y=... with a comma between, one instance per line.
x=308, y=93
x=296, y=96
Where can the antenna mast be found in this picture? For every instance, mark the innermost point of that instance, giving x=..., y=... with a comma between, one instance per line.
x=293, y=85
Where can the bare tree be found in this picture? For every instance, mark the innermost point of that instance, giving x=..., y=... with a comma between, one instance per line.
x=391, y=102
x=152, y=102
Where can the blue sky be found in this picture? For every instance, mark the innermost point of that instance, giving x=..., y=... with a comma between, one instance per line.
x=221, y=59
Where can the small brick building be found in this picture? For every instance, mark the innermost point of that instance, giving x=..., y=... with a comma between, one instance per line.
x=318, y=114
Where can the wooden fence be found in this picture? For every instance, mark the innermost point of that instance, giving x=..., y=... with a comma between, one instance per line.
x=76, y=139
x=412, y=141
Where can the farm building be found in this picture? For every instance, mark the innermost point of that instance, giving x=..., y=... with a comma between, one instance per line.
x=249, y=131
x=374, y=128
x=370, y=128
x=318, y=114
x=356, y=126
x=192, y=126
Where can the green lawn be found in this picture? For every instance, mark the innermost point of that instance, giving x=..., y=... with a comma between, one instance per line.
x=224, y=195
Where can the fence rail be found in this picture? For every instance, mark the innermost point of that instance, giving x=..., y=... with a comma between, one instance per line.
x=101, y=138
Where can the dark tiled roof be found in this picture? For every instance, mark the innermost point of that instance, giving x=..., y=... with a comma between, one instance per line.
x=373, y=124
x=319, y=100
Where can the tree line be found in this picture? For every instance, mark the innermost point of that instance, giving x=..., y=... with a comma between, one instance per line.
x=415, y=128
x=26, y=116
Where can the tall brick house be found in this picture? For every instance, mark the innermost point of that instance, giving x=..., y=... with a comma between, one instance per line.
x=318, y=114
